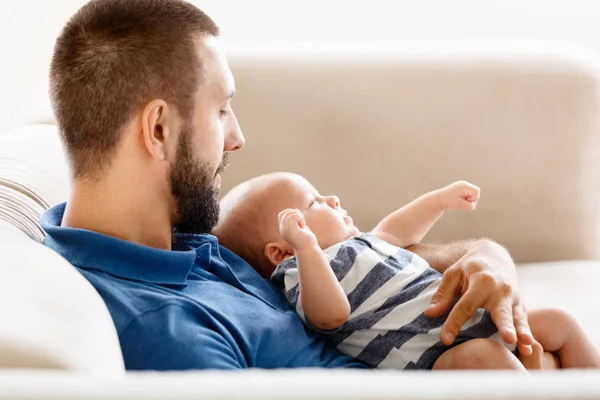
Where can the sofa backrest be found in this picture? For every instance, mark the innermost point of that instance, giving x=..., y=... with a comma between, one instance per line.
x=380, y=124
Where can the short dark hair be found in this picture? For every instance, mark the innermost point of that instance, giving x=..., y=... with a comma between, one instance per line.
x=111, y=58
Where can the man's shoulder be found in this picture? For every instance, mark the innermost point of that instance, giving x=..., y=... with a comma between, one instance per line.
x=125, y=299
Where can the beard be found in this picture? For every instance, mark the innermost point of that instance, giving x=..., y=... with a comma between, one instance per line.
x=192, y=187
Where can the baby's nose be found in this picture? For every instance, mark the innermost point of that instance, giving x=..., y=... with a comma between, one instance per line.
x=333, y=201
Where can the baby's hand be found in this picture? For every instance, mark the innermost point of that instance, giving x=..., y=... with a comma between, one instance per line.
x=294, y=230
x=460, y=195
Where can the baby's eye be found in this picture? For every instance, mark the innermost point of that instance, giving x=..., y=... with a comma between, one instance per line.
x=313, y=201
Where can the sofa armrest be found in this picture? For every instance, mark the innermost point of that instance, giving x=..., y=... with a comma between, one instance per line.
x=52, y=318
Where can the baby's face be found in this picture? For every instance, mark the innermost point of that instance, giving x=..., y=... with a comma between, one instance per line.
x=324, y=215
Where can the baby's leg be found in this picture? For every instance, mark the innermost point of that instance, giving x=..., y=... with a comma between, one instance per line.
x=559, y=332
x=478, y=354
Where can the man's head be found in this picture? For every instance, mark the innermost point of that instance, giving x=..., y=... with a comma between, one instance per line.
x=142, y=89
x=249, y=218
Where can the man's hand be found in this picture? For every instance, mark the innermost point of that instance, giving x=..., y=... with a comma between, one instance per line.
x=535, y=360
x=484, y=277
x=459, y=195
x=294, y=230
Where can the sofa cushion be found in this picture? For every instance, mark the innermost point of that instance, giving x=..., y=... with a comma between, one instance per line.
x=306, y=384
x=51, y=316
x=571, y=284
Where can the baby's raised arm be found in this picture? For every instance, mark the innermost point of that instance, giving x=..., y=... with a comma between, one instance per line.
x=408, y=225
x=323, y=301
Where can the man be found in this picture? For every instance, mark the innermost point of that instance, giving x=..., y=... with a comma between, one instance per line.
x=141, y=91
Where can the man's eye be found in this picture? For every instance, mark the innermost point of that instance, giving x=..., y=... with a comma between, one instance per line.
x=224, y=113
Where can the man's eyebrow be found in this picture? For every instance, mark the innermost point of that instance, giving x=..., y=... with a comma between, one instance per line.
x=230, y=94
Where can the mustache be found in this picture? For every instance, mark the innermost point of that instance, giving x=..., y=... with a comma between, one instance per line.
x=224, y=164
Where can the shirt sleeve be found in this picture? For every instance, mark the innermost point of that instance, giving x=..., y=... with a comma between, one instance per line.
x=173, y=338
x=285, y=277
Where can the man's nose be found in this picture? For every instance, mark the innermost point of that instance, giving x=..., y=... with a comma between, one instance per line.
x=234, y=139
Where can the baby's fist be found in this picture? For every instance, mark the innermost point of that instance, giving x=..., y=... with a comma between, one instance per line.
x=459, y=195
x=294, y=230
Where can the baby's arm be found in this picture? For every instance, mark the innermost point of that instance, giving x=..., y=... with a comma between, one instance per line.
x=321, y=297
x=408, y=225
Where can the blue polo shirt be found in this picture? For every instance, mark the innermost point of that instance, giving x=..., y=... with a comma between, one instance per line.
x=196, y=306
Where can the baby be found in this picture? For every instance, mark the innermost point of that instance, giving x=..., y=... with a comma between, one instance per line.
x=365, y=291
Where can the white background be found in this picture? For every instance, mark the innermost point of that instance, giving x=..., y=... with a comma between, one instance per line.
x=28, y=27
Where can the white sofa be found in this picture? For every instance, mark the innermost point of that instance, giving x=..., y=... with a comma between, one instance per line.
x=377, y=124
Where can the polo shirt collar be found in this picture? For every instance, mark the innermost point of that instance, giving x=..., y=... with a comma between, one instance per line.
x=92, y=250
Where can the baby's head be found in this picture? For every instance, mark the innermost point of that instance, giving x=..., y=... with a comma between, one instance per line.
x=248, y=224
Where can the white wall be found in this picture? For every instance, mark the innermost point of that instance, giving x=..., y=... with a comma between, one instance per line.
x=28, y=27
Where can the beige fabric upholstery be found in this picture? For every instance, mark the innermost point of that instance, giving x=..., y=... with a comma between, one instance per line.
x=33, y=176
x=379, y=126
x=51, y=316
x=571, y=284
x=300, y=384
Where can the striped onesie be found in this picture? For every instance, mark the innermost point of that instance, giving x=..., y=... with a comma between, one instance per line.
x=388, y=289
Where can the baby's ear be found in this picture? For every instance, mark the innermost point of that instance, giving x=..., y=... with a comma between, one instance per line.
x=277, y=252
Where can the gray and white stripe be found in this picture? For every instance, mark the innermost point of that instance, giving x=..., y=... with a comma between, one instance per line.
x=388, y=289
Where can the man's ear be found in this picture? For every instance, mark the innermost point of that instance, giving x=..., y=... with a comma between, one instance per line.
x=277, y=252
x=158, y=122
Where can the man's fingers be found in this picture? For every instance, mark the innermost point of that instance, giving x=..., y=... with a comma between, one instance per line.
x=461, y=312
x=524, y=334
x=525, y=349
x=503, y=318
x=443, y=298
x=525, y=338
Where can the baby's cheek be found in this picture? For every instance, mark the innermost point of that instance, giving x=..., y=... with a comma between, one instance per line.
x=337, y=234
x=323, y=235
x=319, y=232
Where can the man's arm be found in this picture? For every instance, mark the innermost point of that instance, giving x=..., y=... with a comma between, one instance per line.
x=483, y=274
x=441, y=257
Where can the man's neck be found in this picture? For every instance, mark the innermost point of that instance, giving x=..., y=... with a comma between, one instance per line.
x=122, y=210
